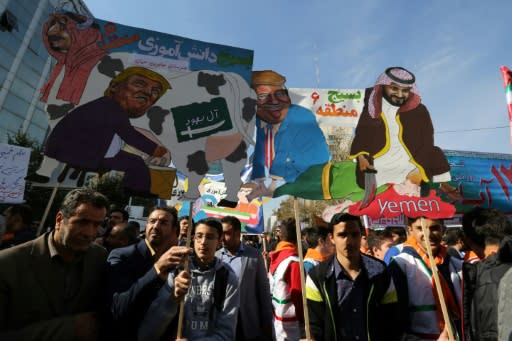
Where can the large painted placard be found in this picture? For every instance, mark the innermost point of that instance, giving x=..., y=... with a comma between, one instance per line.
x=372, y=147
x=132, y=100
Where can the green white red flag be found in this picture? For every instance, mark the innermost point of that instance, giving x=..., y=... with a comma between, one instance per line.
x=507, y=79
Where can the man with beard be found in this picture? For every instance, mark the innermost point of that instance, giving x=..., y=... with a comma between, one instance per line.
x=351, y=296
x=183, y=224
x=255, y=313
x=395, y=137
x=49, y=286
x=72, y=40
x=18, y=224
x=208, y=288
x=90, y=137
x=121, y=235
x=412, y=273
x=288, y=139
x=136, y=273
x=117, y=216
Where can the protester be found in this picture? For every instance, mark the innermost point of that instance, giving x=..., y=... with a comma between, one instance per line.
x=183, y=224
x=320, y=247
x=209, y=289
x=421, y=313
x=121, y=235
x=379, y=243
x=117, y=216
x=136, y=225
x=50, y=287
x=251, y=240
x=285, y=285
x=136, y=273
x=18, y=225
x=482, y=279
x=351, y=296
x=398, y=234
x=454, y=240
x=276, y=237
x=474, y=241
x=255, y=313
x=504, y=311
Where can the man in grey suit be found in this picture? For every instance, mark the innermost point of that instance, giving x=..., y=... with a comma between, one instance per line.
x=49, y=286
x=255, y=313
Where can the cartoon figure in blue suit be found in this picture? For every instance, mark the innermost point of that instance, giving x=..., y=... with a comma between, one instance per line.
x=288, y=139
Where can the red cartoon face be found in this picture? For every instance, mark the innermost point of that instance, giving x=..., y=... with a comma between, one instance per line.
x=136, y=94
x=273, y=102
x=58, y=36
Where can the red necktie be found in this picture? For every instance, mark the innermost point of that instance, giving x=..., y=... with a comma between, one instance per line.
x=269, y=146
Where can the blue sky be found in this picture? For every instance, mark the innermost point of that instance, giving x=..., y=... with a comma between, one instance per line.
x=454, y=47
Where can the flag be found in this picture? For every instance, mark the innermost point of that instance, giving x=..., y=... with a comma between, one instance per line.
x=507, y=79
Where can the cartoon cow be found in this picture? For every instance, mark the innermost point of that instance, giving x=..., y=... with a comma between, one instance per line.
x=205, y=117
x=226, y=97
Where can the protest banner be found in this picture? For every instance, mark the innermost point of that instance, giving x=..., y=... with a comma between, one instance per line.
x=13, y=169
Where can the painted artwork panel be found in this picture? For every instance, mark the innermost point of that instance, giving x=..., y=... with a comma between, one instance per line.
x=353, y=145
x=118, y=96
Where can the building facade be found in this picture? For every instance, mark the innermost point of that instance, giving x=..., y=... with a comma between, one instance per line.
x=25, y=64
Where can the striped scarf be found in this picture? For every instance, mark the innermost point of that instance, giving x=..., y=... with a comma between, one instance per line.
x=449, y=298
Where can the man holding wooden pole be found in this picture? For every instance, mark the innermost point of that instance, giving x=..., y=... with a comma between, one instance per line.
x=425, y=299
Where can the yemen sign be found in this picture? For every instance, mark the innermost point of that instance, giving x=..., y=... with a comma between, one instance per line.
x=391, y=204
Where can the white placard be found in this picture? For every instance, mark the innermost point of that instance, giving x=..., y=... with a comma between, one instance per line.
x=13, y=170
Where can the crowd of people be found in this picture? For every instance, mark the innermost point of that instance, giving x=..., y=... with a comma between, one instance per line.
x=90, y=280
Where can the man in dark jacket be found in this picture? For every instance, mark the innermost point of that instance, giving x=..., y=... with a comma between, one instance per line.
x=18, y=224
x=136, y=273
x=481, y=279
x=351, y=296
x=49, y=287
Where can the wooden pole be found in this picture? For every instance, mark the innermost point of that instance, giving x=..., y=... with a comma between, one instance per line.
x=185, y=266
x=301, y=268
x=264, y=241
x=47, y=209
x=366, y=224
x=446, y=317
